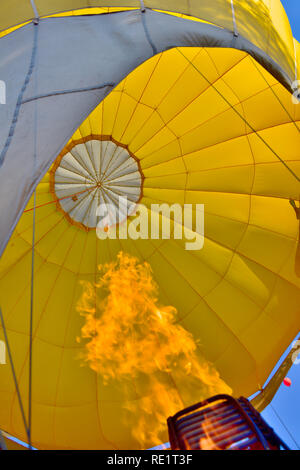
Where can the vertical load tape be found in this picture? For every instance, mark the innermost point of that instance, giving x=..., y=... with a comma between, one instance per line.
x=36, y=14
x=143, y=8
x=234, y=20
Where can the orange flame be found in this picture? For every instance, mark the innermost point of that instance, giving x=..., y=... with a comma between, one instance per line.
x=210, y=431
x=208, y=442
x=130, y=337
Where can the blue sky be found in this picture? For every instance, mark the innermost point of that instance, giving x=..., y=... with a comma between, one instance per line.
x=292, y=7
x=283, y=414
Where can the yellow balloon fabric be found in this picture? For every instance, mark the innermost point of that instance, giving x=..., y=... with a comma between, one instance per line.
x=206, y=126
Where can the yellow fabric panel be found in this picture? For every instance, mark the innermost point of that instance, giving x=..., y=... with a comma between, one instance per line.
x=209, y=138
x=269, y=29
x=281, y=35
x=239, y=355
x=14, y=12
x=224, y=154
x=87, y=11
x=55, y=6
x=251, y=279
x=254, y=246
x=220, y=14
x=87, y=418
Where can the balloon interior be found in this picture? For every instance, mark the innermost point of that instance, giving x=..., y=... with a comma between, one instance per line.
x=149, y=236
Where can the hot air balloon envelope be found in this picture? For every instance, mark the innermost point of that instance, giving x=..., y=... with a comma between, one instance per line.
x=175, y=104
